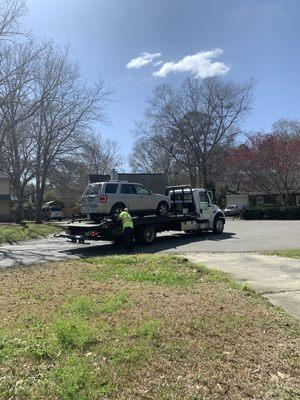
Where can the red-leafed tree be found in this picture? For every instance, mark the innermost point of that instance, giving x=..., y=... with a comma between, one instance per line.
x=269, y=162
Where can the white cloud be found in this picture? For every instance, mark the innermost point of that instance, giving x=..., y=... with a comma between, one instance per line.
x=143, y=59
x=157, y=63
x=201, y=65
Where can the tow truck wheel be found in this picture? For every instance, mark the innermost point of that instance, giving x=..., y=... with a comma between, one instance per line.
x=218, y=225
x=147, y=235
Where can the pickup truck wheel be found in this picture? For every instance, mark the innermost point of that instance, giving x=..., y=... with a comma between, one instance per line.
x=147, y=235
x=162, y=209
x=218, y=225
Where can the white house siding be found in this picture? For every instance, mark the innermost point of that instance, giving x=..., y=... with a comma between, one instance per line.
x=4, y=186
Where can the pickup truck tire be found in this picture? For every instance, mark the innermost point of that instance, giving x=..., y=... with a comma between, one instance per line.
x=147, y=234
x=162, y=209
x=218, y=225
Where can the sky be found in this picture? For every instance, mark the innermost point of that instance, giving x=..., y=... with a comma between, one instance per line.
x=135, y=45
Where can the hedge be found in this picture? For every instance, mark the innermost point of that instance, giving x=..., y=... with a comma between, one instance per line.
x=271, y=213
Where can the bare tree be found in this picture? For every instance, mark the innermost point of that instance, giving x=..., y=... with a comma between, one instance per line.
x=287, y=127
x=67, y=111
x=16, y=109
x=99, y=156
x=195, y=123
x=148, y=157
x=10, y=13
x=67, y=180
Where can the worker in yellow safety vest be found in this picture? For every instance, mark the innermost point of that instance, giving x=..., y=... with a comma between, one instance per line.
x=127, y=225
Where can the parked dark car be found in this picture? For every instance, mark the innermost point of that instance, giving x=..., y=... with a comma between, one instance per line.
x=232, y=210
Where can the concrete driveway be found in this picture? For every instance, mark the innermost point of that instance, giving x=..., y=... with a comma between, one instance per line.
x=276, y=278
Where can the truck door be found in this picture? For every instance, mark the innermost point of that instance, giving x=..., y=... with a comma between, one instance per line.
x=205, y=209
x=144, y=198
x=128, y=196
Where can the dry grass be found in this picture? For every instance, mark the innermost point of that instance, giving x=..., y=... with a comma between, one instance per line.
x=290, y=253
x=141, y=327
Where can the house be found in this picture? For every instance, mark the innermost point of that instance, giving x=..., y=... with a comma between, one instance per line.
x=257, y=198
x=6, y=200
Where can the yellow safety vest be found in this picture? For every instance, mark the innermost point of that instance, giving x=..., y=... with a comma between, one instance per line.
x=126, y=220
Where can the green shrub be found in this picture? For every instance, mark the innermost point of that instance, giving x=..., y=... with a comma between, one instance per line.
x=271, y=213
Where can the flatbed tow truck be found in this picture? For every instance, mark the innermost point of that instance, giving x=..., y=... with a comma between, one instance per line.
x=192, y=211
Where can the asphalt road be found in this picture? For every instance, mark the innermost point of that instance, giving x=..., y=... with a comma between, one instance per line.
x=238, y=236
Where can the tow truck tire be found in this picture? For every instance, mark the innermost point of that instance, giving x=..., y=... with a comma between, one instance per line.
x=116, y=209
x=162, y=209
x=147, y=235
x=218, y=225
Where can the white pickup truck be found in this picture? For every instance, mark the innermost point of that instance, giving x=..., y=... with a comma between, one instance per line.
x=191, y=210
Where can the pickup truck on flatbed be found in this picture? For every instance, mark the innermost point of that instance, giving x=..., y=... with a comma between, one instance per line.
x=191, y=211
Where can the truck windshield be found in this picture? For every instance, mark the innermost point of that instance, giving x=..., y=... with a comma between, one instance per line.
x=92, y=189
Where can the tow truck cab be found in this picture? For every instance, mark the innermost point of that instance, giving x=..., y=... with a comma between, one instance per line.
x=188, y=200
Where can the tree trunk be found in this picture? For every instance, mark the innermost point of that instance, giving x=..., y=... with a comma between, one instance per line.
x=20, y=205
x=40, y=191
x=192, y=177
x=204, y=174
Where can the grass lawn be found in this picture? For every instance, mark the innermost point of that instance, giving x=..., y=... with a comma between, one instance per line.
x=290, y=253
x=141, y=327
x=14, y=233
